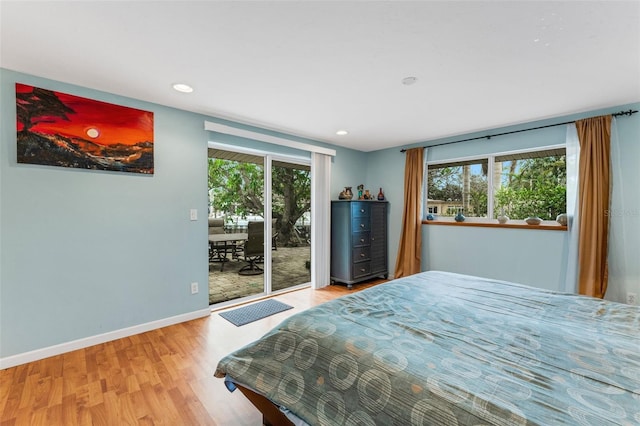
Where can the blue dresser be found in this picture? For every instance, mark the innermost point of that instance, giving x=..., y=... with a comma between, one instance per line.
x=358, y=241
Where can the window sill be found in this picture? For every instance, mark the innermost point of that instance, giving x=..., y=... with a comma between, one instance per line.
x=547, y=225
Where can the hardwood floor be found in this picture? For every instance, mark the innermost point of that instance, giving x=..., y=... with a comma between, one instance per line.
x=161, y=377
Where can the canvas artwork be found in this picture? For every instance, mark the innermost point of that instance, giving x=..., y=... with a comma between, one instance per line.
x=58, y=129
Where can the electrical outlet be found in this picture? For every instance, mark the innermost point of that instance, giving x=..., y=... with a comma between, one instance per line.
x=194, y=288
x=632, y=299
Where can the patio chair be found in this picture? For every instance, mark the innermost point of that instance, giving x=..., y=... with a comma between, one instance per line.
x=217, y=251
x=253, y=249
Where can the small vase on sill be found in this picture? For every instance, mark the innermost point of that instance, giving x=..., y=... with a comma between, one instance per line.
x=533, y=220
x=562, y=219
x=502, y=218
x=459, y=217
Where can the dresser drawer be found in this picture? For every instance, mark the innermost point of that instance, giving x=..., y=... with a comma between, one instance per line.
x=360, y=254
x=360, y=210
x=360, y=239
x=361, y=269
x=360, y=224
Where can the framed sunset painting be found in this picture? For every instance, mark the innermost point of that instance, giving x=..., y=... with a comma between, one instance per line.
x=58, y=129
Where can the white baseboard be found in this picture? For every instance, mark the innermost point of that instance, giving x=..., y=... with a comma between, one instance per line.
x=38, y=354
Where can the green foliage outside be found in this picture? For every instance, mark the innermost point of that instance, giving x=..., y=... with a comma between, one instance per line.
x=446, y=184
x=529, y=187
x=536, y=188
x=237, y=189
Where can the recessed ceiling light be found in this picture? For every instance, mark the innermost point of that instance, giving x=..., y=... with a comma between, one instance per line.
x=408, y=81
x=342, y=132
x=184, y=88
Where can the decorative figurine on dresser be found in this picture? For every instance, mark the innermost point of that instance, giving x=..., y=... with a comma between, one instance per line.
x=358, y=241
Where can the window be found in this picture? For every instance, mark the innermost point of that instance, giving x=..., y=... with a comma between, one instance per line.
x=459, y=186
x=520, y=184
x=530, y=184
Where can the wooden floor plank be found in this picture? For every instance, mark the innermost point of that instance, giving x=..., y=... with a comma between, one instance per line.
x=69, y=410
x=99, y=415
x=6, y=377
x=124, y=411
x=54, y=414
x=55, y=396
x=162, y=377
x=14, y=395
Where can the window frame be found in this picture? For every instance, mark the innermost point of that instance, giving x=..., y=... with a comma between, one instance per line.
x=489, y=220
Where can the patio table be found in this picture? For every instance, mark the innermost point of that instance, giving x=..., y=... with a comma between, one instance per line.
x=221, y=243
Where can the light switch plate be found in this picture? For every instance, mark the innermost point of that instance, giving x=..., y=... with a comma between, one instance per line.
x=193, y=214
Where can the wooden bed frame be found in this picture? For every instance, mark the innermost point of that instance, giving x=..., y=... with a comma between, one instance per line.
x=271, y=415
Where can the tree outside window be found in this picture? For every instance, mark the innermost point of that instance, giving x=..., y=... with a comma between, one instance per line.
x=531, y=184
x=524, y=184
x=458, y=186
x=237, y=188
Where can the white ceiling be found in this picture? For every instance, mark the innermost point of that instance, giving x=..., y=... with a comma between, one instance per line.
x=309, y=68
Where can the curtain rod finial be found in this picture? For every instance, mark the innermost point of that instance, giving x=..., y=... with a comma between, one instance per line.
x=627, y=113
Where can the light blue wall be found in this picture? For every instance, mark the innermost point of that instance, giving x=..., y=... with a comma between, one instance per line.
x=87, y=252
x=349, y=168
x=385, y=169
x=84, y=253
x=533, y=257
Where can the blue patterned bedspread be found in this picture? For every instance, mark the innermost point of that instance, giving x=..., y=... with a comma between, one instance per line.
x=445, y=349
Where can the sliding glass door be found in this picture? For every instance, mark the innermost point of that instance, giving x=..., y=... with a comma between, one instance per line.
x=264, y=244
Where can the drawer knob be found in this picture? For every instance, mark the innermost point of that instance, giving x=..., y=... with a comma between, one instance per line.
x=361, y=254
x=362, y=270
x=362, y=240
x=362, y=225
x=361, y=210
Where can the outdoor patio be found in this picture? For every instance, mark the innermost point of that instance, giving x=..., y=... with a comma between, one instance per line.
x=289, y=269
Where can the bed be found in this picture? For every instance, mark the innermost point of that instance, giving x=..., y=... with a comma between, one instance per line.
x=439, y=348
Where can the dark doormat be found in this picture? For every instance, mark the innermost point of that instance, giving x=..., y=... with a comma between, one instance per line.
x=254, y=312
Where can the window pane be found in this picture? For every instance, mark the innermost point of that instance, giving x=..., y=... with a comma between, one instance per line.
x=291, y=217
x=530, y=184
x=458, y=187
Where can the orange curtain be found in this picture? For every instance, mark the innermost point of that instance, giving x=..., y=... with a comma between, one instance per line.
x=594, y=186
x=410, y=248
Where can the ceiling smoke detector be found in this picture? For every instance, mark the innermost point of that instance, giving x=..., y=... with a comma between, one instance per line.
x=408, y=81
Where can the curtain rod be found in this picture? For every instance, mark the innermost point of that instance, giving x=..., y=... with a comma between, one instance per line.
x=617, y=114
